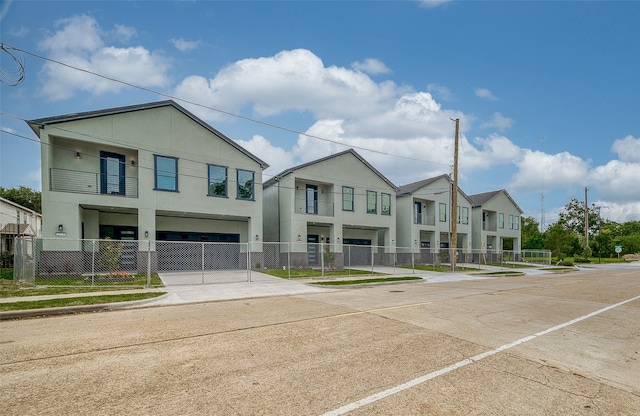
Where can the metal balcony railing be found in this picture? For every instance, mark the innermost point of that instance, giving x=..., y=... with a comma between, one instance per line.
x=65, y=180
x=314, y=207
x=424, y=219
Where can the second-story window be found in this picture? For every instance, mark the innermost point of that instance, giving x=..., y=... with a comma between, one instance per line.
x=166, y=171
x=217, y=181
x=347, y=198
x=372, y=202
x=442, y=212
x=245, y=184
x=465, y=215
x=511, y=222
x=385, y=204
x=501, y=220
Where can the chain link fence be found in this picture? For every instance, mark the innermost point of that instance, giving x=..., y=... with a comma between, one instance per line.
x=66, y=262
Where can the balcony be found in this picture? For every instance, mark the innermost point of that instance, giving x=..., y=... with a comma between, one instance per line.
x=424, y=219
x=311, y=207
x=65, y=180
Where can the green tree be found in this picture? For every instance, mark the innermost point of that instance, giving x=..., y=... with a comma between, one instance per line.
x=24, y=196
x=561, y=241
x=572, y=217
x=530, y=233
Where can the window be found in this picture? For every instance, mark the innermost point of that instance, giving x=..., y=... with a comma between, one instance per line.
x=111, y=173
x=312, y=199
x=372, y=202
x=347, y=198
x=217, y=181
x=166, y=169
x=511, y=222
x=385, y=204
x=501, y=220
x=442, y=212
x=245, y=184
x=458, y=213
x=517, y=222
x=465, y=215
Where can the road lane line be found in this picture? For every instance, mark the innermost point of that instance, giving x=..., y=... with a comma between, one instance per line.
x=393, y=390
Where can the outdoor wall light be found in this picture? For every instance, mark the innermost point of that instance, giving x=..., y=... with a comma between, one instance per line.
x=146, y=233
x=60, y=228
x=338, y=239
x=133, y=163
x=77, y=155
x=257, y=237
x=299, y=237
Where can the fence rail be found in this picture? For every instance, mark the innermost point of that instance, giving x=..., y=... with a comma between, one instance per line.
x=40, y=261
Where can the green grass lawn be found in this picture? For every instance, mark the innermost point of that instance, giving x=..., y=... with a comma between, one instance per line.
x=364, y=281
x=302, y=273
x=78, y=301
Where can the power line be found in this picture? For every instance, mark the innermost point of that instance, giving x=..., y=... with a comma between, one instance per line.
x=252, y=120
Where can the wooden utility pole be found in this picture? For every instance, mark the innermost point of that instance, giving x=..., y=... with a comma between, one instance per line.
x=454, y=202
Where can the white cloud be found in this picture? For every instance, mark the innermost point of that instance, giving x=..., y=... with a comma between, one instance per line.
x=441, y=91
x=619, y=212
x=20, y=32
x=124, y=33
x=290, y=80
x=184, y=45
x=486, y=94
x=538, y=170
x=79, y=43
x=616, y=180
x=499, y=122
x=371, y=66
x=628, y=149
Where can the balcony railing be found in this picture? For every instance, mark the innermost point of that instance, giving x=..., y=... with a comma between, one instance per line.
x=314, y=207
x=487, y=226
x=424, y=219
x=65, y=180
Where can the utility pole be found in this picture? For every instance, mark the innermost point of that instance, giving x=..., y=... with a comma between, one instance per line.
x=586, y=216
x=454, y=201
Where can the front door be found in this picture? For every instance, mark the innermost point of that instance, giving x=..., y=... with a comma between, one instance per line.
x=418, y=212
x=312, y=249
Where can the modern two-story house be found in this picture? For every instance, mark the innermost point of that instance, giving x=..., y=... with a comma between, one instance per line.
x=147, y=172
x=423, y=217
x=496, y=222
x=339, y=200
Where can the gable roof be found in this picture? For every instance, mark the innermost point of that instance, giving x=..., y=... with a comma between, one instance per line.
x=481, y=199
x=412, y=187
x=275, y=178
x=17, y=229
x=41, y=122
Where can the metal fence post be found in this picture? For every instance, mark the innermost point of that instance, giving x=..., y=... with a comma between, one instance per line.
x=93, y=261
x=322, y=259
x=249, y=262
x=289, y=260
x=148, y=263
x=202, y=262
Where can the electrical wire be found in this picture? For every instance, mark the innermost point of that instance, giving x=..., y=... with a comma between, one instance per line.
x=252, y=120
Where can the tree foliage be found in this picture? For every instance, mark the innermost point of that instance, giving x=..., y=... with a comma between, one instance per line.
x=24, y=196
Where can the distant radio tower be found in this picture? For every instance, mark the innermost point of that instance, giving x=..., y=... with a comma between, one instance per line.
x=542, y=219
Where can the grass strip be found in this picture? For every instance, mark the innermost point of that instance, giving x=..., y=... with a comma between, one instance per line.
x=77, y=301
x=364, y=281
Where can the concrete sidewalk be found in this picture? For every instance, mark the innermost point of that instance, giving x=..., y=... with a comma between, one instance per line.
x=261, y=285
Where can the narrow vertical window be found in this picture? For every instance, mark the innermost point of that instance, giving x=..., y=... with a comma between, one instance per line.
x=347, y=198
x=511, y=222
x=372, y=202
x=465, y=215
x=442, y=212
x=385, y=204
x=217, y=181
x=501, y=220
x=245, y=185
x=166, y=172
x=517, y=220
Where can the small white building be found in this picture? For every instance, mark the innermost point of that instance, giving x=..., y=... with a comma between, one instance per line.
x=17, y=221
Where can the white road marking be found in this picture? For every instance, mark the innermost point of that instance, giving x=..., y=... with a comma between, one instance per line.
x=393, y=390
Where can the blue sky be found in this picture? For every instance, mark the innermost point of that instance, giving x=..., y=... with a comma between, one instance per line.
x=384, y=77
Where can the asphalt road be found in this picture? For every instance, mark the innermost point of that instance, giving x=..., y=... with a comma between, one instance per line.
x=560, y=344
